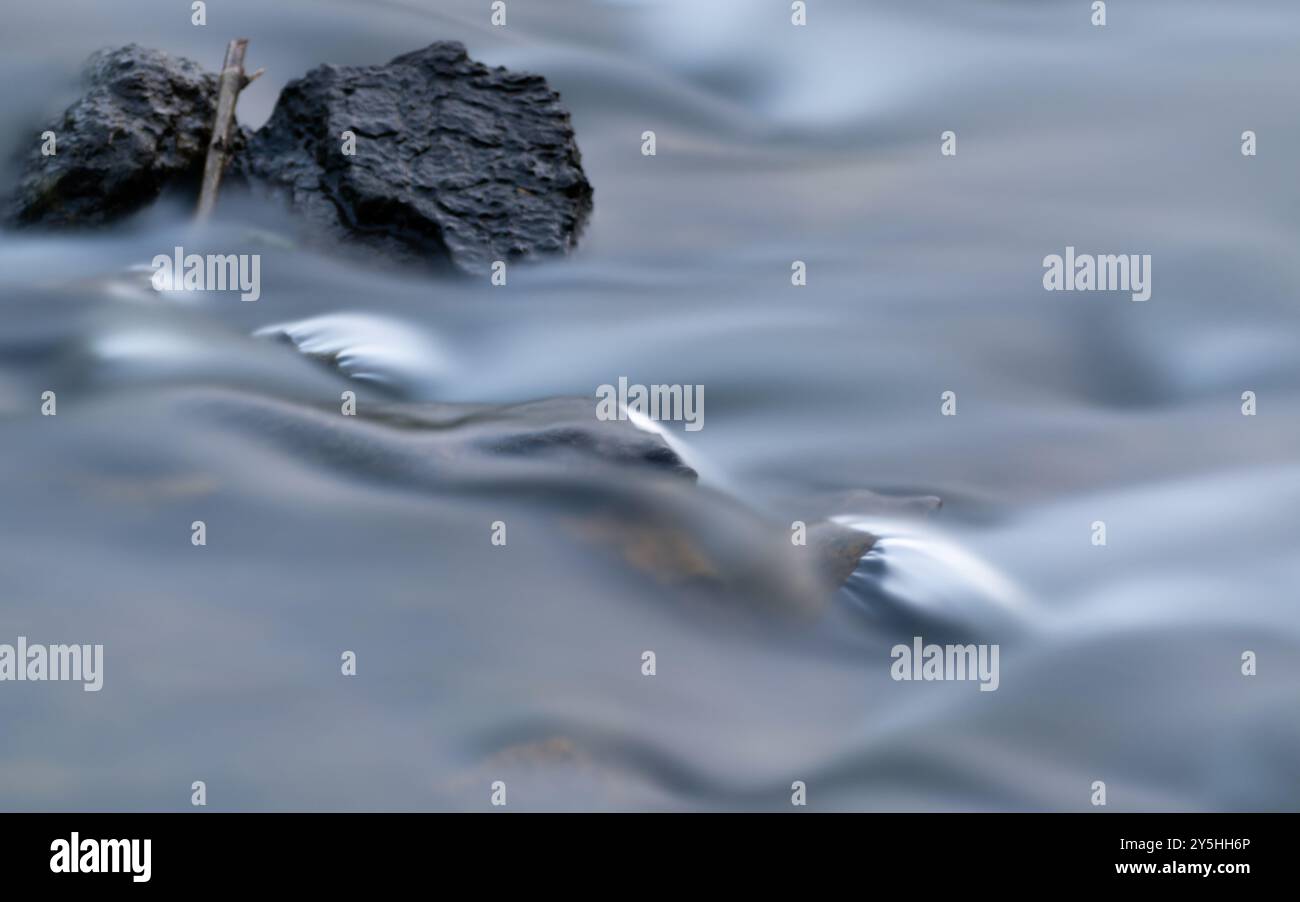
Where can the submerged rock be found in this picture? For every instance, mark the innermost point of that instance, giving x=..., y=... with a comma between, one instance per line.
x=453, y=159
x=618, y=490
x=555, y=430
x=142, y=125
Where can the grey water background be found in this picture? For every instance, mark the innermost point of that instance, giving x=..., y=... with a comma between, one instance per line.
x=775, y=143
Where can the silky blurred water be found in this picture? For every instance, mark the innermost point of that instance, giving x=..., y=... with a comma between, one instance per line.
x=775, y=143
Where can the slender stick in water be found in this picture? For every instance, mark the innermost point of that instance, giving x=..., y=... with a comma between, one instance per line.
x=233, y=80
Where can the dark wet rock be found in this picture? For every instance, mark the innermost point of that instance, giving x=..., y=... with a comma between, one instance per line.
x=453, y=159
x=141, y=127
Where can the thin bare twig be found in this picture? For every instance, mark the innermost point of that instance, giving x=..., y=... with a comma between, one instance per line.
x=232, y=81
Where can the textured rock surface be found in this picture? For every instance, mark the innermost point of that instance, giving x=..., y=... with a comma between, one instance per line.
x=453, y=159
x=142, y=125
